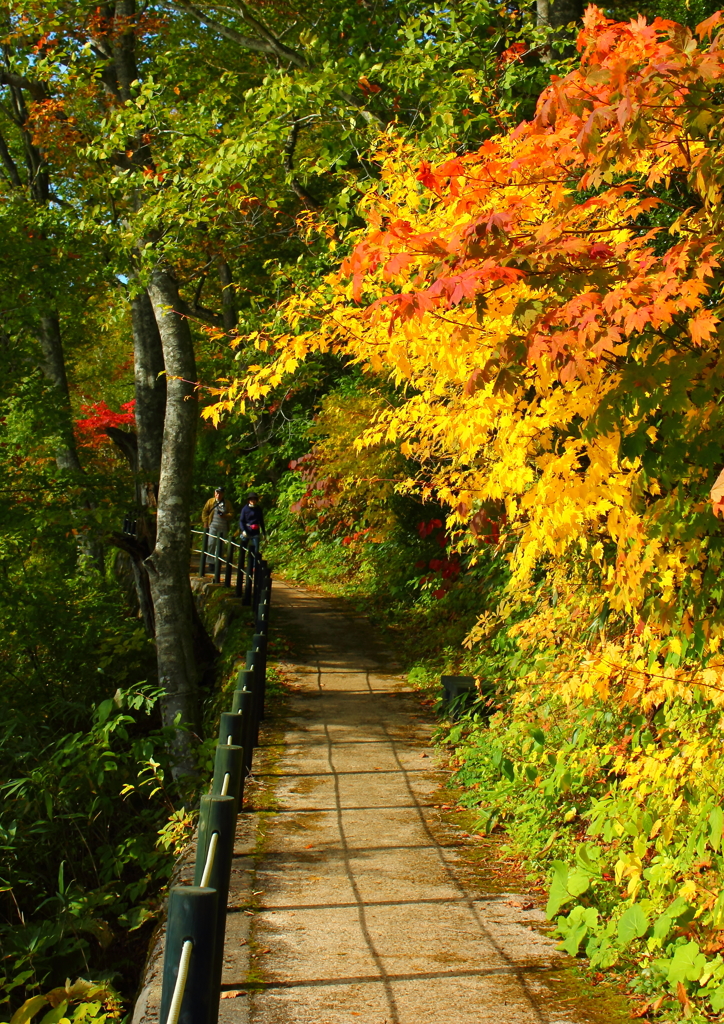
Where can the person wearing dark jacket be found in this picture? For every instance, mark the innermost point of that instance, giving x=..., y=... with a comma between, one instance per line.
x=251, y=523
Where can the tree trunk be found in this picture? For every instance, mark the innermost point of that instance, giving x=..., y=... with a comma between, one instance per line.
x=557, y=14
x=150, y=391
x=54, y=369
x=168, y=564
x=137, y=551
x=563, y=12
x=124, y=45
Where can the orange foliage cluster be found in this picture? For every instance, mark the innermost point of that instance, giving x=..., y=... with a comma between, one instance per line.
x=604, y=280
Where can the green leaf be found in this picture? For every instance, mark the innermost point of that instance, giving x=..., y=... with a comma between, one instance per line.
x=589, y=858
x=56, y=1015
x=539, y=736
x=28, y=1010
x=717, y=913
x=578, y=881
x=716, y=823
x=716, y=999
x=104, y=710
x=559, y=893
x=576, y=926
x=665, y=922
x=688, y=964
x=633, y=925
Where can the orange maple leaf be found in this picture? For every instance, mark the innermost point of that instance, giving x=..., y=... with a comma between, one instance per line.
x=702, y=326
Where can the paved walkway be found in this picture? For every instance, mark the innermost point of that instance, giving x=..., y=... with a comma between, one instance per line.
x=352, y=905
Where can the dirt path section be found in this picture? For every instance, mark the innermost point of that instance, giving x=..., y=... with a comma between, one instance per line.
x=348, y=901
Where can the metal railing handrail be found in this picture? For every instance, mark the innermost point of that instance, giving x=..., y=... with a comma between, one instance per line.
x=226, y=554
x=181, y=979
x=191, y=981
x=210, y=855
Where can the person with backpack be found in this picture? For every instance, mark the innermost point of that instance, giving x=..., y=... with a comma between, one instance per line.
x=251, y=523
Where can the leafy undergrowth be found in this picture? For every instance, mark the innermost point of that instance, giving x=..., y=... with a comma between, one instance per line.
x=89, y=816
x=92, y=820
x=622, y=815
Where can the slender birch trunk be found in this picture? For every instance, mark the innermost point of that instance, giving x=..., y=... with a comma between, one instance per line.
x=150, y=391
x=168, y=564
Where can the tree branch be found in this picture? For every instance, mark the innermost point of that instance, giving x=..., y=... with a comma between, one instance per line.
x=268, y=44
x=297, y=187
x=36, y=89
x=126, y=442
x=9, y=164
x=196, y=312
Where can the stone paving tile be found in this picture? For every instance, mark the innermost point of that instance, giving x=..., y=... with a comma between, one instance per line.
x=359, y=912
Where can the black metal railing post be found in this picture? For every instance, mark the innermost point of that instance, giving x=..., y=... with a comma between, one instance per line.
x=256, y=660
x=228, y=777
x=229, y=563
x=240, y=571
x=217, y=817
x=246, y=702
x=230, y=727
x=258, y=581
x=192, y=921
x=262, y=611
x=249, y=576
x=202, y=556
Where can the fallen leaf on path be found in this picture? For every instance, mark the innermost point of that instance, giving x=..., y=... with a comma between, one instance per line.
x=424, y=755
x=309, y=846
x=520, y=904
x=232, y=995
x=683, y=998
x=642, y=1011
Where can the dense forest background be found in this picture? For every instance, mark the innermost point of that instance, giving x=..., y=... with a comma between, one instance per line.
x=442, y=284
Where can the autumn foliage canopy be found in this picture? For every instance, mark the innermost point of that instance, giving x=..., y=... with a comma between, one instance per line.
x=545, y=317
x=549, y=308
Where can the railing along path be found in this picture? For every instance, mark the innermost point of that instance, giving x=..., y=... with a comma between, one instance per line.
x=224, y=555
x=196, y=923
